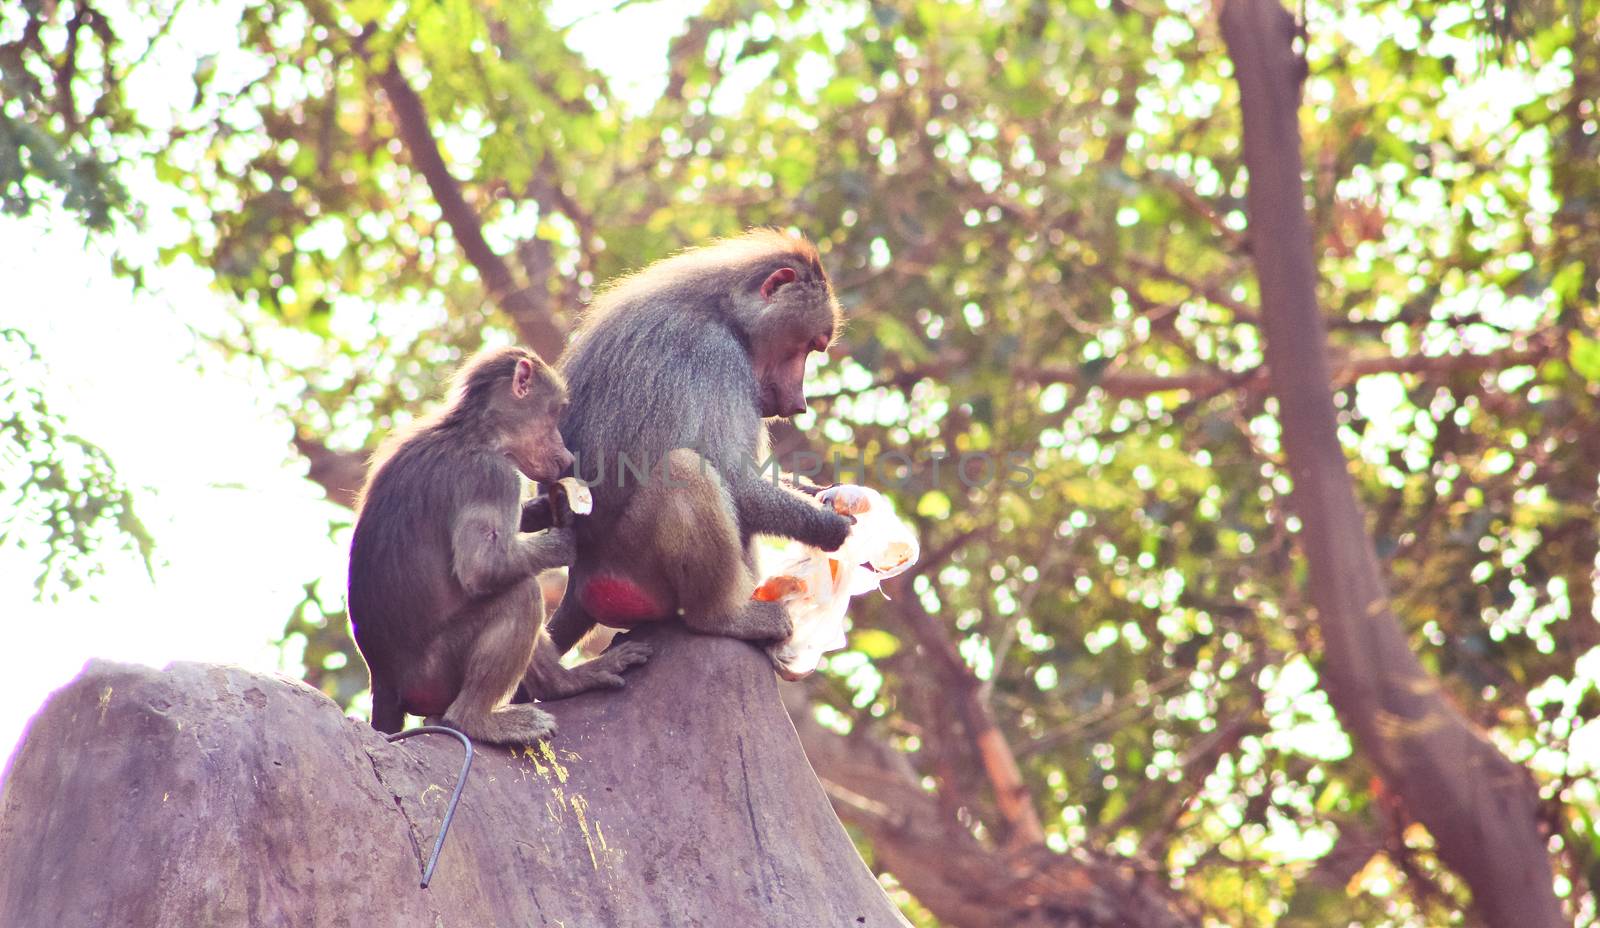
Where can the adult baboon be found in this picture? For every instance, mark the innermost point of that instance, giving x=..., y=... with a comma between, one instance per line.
x=673, y=369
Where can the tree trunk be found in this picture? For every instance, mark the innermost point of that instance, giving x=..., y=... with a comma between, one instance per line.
x=207, y=795
x=1481, y=808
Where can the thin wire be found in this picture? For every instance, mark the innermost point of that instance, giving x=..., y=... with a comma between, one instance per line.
x=455, y=797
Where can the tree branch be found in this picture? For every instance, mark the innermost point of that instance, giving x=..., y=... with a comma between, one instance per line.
x=963, y=882
x=1481, y=808
x=965, y=690
x=1341, y=372
x=528, y=307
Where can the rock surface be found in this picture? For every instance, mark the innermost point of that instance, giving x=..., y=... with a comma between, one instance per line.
x=204, y=795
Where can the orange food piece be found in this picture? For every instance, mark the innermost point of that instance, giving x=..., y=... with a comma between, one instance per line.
x=776, y=588
x=850, y=504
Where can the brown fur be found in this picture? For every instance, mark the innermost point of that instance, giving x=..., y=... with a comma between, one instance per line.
x=676, y=366
x=443, y=590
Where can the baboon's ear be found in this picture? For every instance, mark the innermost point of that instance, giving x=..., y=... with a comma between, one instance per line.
x=783, y=275
x=522, y=379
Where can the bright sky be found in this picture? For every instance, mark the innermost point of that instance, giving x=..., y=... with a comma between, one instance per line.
x=238, y=529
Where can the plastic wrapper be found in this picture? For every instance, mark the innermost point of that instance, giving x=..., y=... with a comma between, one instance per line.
x=816, y=586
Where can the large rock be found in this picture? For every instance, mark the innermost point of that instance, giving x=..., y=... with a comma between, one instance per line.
x=211, y=796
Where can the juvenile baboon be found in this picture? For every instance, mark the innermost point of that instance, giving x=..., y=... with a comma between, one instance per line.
x=443, y=591
x=674, y=368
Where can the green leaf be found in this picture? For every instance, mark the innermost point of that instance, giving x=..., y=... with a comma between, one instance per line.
x=1566, y=283
x=841, y=91
x=1583, y=354
x=874, y=643
x=1116, y=804
x=934, y=504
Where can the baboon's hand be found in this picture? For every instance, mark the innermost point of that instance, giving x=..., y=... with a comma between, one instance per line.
x=562, y=543
x=560, y=507
x=536, y=515
x=835, y=528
